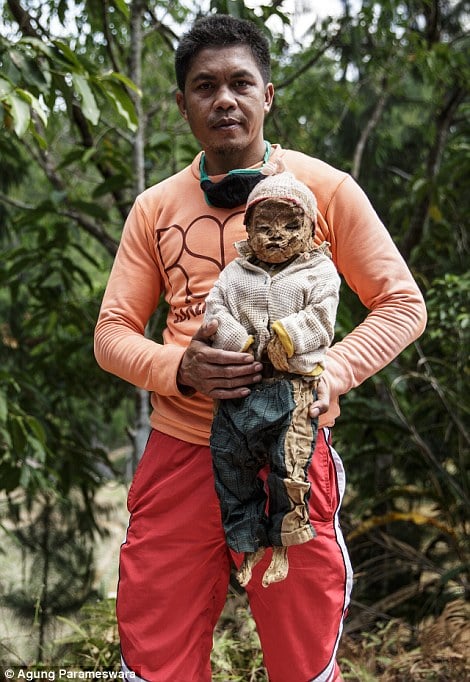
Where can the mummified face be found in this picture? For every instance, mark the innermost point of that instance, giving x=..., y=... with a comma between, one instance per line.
x=278, y=229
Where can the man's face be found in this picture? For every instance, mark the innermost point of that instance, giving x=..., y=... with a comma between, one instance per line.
x=278, y=229
x=225, y=102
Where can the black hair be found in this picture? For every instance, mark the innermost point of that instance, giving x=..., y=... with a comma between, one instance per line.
x=217, y=30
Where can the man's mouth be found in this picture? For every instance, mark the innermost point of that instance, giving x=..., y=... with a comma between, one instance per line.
x=226, y=123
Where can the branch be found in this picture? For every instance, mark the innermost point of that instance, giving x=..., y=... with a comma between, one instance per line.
x=107, y=36
x=443, y=123
x=98, y=233
x=14, y=202
x=426, y=451
x=44, y=161
x=94, y=230
x=424, y=362
x=168, y=35
x=367, y=131
x=25, y=20
x=310, y=62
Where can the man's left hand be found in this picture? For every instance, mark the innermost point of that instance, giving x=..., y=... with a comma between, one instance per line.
x=322, y=403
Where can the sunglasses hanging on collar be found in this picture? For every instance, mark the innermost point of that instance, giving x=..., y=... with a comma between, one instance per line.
x=234, y=188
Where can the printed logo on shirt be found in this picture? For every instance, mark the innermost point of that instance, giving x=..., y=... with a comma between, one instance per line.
x=192, y=259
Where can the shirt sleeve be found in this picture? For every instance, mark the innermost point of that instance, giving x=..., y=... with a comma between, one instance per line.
x=372, y=266
x=131, y=297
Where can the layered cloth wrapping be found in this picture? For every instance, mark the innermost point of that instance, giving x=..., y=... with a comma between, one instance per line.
x=268, y=432
x=303, y=297
x=271, y=427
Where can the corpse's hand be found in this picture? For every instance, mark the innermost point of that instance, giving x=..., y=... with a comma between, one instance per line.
x=217, y=373
x=277, y=354
x=322, y=403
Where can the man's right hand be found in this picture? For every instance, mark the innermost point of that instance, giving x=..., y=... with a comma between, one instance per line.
x=217, y=373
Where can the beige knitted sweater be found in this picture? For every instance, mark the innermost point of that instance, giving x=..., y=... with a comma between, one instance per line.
x=303, y=296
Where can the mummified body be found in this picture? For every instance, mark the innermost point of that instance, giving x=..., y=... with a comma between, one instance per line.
x=277, y=300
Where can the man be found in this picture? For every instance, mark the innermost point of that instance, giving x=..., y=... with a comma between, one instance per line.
x=179, y=235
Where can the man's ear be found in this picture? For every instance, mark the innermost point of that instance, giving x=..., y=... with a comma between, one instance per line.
x=268, y=97
x=181, y=104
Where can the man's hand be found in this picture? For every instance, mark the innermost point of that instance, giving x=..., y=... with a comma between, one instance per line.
x=217, y=373
x=322, y=403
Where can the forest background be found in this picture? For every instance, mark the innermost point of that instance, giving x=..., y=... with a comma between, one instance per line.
x=88, y=120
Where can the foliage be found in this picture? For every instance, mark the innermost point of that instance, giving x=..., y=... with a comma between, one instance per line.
x=58, y=566
x=93, y=642
x=437, y=649
x=237, y=654
x=381, y=92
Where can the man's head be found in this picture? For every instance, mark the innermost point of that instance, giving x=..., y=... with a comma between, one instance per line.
x=280, y=218
x=220, y=30
x=222, y=63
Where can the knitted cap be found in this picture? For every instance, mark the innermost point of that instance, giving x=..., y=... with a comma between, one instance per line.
x=284, y=186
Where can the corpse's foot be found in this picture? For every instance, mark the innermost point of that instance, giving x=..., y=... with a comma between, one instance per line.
x=278, y=568
x=249, y=562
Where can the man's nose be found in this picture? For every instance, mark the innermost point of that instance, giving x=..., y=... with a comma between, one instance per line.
x=225, y=98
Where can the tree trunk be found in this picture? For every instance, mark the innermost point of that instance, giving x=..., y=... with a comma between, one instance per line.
x=141, y=429
x=443, y=123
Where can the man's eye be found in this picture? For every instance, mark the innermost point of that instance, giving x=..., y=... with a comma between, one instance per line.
x=292, y=226
x=204, y=86
x=241, y=84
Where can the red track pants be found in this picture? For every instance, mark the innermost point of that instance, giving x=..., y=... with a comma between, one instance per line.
x=175, y=567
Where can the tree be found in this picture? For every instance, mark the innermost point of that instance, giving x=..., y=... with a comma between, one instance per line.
x=89, y=119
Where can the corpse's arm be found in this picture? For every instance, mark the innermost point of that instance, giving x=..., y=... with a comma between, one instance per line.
x=131, y=297
x=372, y=266
x=312, y=328
x=230, y=334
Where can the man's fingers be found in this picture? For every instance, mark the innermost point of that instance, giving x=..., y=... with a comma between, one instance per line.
x=206, y=330
x=322, y=403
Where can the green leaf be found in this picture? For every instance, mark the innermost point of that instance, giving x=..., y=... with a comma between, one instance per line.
x=109, y=185
x=122, y=7
x=38, y=45
x=3, y=408
x=18, y=435
x=5, y=88
x=122, y=103
x=20, y=112
x=35, y=76
x=123, y=79
x=89, y=106
x=90, y=208
x=33, y=103
x=37, y=428
x=68, y=54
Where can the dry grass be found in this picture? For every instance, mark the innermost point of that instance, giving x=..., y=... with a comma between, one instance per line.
x=438, y=651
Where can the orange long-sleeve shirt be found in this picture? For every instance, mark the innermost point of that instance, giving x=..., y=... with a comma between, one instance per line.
x=174, y=243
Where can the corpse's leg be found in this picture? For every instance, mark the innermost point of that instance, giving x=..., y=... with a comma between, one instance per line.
x=278, y=568
x=236, y=467
x=290, y=457
x=300, y=619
